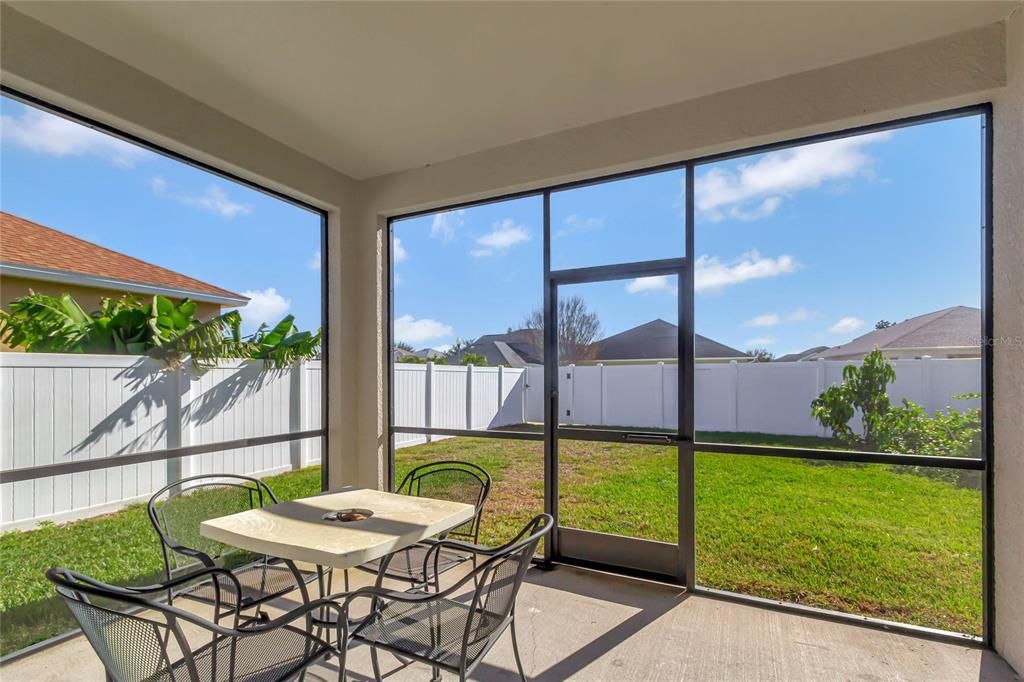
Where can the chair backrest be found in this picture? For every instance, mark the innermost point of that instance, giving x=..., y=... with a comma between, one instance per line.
x=451, y=480
x=178, y=509
x=498, y=581
x=131, y=646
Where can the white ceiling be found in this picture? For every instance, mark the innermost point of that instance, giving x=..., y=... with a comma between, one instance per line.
x=372, y=88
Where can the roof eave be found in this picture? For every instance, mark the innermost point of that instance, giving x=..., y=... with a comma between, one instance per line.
x=115, y=285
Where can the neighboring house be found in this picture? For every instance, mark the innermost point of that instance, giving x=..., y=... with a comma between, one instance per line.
x=37, y=258
x=802, y=355
x=402, y=355
x=658, y=340
x=948, y=333
x=517, y=348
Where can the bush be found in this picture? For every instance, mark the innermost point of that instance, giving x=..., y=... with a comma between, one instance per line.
x=904, y=429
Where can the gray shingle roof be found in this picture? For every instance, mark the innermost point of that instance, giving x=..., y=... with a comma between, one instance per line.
x=956, y=326
x=657, y=340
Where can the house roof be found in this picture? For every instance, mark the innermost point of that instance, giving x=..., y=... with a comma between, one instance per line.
x=802, y=355
x=34, y=251
x=957, y=326
x=515, y=348
x=658, y=340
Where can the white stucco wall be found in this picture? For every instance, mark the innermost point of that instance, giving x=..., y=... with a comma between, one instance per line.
x=1008, y=369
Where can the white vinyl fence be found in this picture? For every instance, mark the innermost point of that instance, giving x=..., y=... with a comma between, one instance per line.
x=772, y=397
x=457, y=397
x=61, y=408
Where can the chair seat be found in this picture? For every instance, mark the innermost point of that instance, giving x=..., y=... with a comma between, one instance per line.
x=431, y=630
x=265, y=657
x=407, y=564
x=260, y=581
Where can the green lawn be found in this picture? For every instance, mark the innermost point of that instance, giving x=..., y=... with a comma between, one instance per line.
x=864, y=539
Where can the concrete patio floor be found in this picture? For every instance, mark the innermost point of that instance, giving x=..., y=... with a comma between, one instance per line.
x=584, y=625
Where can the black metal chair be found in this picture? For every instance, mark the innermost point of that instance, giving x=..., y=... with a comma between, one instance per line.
x=441, y=629
x=178, y=509
x=138, y=638
x=445, y=480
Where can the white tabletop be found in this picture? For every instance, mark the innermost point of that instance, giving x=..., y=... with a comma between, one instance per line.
x=296, y=530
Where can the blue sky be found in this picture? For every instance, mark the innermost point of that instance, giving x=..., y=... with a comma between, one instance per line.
x=77, y=180
x=797, y=248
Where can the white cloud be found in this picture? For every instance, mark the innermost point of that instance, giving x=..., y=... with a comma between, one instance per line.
x=756, y=190
x=574, y=224
x=214, y=199
x=415, y=331
x=710, y=274
x=44, y=133
x=646, y=285
x=447, y=223
x=503, y=235
x=768, y=320
x=761, y=341
x=773, y=319
x=314, y=261
x=846, y=325
x=265, y=306
x=398, y=252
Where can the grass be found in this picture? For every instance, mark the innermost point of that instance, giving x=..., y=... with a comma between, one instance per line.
x=873, y=540
x=865, y=539
x=120, y=548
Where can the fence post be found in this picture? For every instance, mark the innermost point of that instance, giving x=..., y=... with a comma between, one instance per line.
x=296, y=420
x=661, y=399
x=428, y=406
x=735, y=395
x=501, y=394
x=600, y=391
x=926, y=384
x=572, y=395
x=179, y=426
x=469, y=397
x=821, y=389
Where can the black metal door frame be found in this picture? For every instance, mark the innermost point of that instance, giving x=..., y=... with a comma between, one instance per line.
x=665, y=561
x=686, y=459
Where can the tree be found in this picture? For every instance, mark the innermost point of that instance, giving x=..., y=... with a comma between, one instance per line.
x=404, y=345
x=761, y=354
x=883, y=324
x=863, y=388
x=473, y=359
x=578, y=328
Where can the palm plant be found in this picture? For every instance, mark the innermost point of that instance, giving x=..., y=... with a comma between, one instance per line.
x=40, y=323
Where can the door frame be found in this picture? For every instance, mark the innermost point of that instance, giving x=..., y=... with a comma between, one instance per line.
x=648, y=558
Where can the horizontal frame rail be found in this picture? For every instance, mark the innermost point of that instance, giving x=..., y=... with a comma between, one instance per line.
x=507, y=435
x=845, y=618
x=843, y=456
x=31, y=473
x=604, y=273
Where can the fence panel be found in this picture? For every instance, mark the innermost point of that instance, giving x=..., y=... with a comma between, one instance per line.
x=62, y=408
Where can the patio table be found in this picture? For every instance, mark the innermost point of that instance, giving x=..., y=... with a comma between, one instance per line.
x=296, y=529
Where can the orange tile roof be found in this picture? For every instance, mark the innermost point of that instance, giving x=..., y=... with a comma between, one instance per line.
x=23, y=242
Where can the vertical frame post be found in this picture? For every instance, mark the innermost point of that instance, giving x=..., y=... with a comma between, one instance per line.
x=988, y=606
x=687, y=512
x=550, y=389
